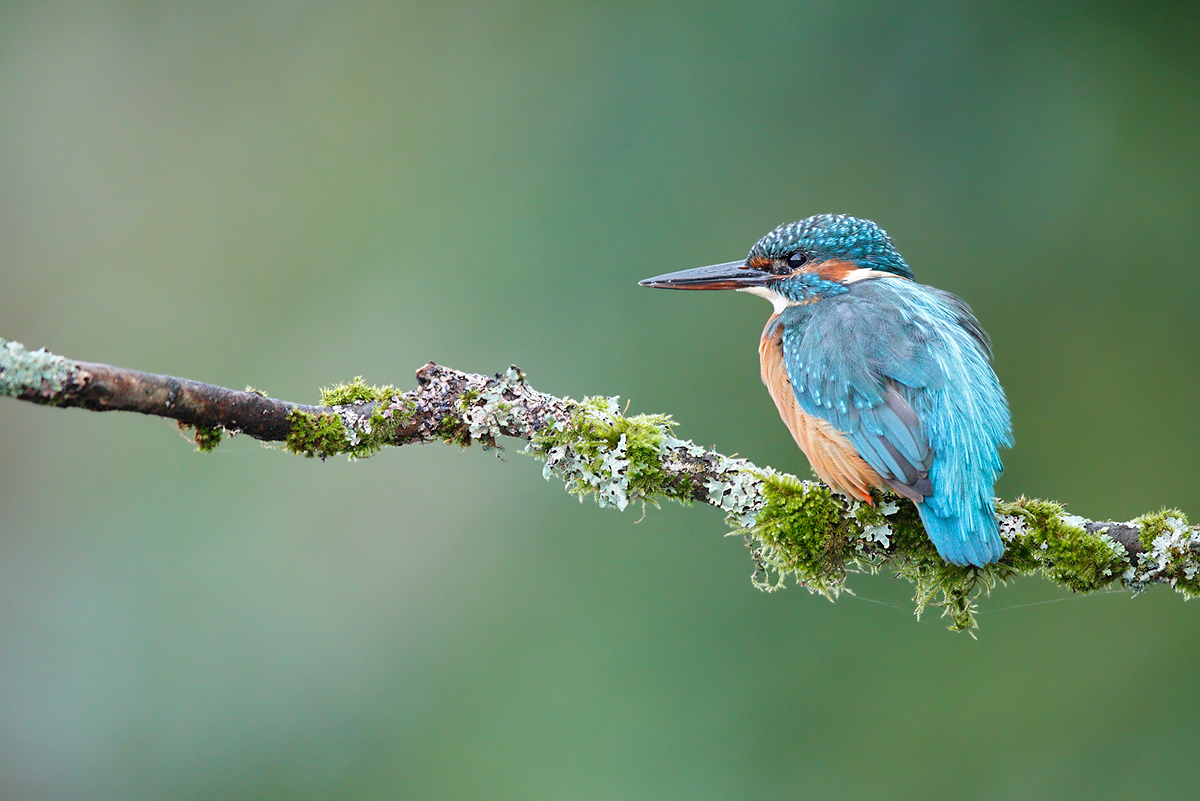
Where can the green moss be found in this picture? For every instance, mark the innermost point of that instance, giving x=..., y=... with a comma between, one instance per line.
x=1050, y=543
x=684, y=489
x=384, y=427
x=207, y=439
x=912, y=556
x=1082, y=561
x=1188, y=586
x=953, y=589
x=453, y=431
x=799, y=530
x=315, y=434
x=605, y=452
x=357, y=391
x=382, y=432
x=806, y=530
x=326, y=434
x=387, y=420
x=1064, y=552
x=468, y=396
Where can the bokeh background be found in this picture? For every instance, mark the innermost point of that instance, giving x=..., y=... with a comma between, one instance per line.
x=292, y=194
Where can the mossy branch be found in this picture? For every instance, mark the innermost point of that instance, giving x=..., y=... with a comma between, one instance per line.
x=793, y=527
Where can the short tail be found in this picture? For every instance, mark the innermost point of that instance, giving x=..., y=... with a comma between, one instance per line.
x=973, y=539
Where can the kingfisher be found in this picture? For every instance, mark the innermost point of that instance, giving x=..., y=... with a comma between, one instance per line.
x=883, y=382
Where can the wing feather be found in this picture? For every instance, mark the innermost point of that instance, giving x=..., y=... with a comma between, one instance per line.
x=830, y=453
x=855, y=368
x=897, y=375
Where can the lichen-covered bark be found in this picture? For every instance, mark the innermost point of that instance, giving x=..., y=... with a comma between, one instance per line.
x=795, y=529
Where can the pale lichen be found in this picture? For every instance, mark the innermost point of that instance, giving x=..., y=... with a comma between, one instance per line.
x=31, y=371
x=1012, y=526
x=486, y=413
x=1172, y=552
x=737, y=488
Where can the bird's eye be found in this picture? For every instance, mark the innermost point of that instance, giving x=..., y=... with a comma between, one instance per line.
x=797, y=260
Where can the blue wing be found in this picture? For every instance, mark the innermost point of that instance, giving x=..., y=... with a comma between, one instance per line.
x=902, y=370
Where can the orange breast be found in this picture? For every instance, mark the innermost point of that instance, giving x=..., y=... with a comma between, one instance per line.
x=829, y=452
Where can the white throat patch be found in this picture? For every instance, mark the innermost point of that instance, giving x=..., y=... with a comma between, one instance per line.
x=780, y=302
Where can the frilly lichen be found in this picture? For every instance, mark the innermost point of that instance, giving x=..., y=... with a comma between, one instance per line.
x=485, y=412
x=1172, y=552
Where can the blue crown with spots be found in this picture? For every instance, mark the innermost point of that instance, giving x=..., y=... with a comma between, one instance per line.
x=834, y=236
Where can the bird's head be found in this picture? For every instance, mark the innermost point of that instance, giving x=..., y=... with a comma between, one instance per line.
x=817, y=256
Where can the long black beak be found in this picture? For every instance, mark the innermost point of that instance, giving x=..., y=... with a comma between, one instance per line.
x=734, y=275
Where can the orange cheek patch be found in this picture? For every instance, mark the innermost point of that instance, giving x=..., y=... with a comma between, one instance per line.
x=759, y=263
x=834, y=269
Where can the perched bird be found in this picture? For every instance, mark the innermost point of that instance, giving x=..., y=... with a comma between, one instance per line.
x=882, y=381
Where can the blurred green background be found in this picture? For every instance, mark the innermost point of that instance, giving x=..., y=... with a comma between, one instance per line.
x=288, y=195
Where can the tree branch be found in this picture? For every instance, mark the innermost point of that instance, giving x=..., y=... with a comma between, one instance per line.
x=792, y=527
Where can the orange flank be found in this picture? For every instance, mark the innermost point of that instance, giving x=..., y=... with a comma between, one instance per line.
x=829, y=452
